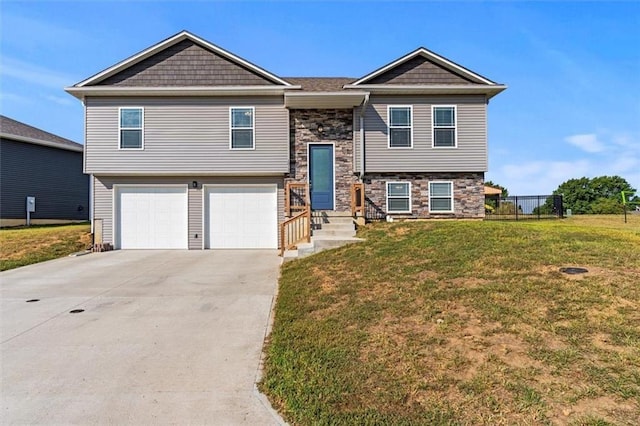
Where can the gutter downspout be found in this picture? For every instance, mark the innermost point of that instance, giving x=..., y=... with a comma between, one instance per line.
x=363, y=109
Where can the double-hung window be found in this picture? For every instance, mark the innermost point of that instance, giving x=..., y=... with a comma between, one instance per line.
x=444, y=126
x=399, y=197
x=131, y=123
x=441, y=197
x=400, y=126
x=242, y=128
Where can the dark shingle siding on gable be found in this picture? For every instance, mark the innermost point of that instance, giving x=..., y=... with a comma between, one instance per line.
x=419, y=70
x=185, y=64
x=54, y=176
x=16, y=128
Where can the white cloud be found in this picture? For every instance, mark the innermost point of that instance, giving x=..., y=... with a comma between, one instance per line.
x=587, y=142
x=12, y=98
x=60, y=100
x=34, y=74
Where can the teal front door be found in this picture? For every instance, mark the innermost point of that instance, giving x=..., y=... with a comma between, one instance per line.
x=321, y=176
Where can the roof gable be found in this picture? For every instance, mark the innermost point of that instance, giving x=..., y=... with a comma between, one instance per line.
x=423, y=67
x=181, y=61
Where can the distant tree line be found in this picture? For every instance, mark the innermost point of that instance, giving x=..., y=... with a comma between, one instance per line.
x=599, y=195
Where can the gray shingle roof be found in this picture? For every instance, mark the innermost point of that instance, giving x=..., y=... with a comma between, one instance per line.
x=11, y=127
x=320, y=84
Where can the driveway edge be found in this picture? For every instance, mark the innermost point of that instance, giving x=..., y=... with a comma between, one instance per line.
x=267, y=331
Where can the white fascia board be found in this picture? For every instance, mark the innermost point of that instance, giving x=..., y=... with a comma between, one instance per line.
x=81, y=92
x=324, y=99
x=193, y=175
x=183, y=35
x=51, y=144
x=429, y=55
x=445, y=89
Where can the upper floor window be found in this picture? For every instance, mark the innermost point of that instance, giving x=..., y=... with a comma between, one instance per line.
x=131, y=128
x=242, y=128
x=399, y=197
x=400, y=126
x=444, y=126
x=441, y=197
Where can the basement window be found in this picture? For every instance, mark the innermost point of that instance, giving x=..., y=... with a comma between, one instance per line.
x=399, y=197
x=441, y=197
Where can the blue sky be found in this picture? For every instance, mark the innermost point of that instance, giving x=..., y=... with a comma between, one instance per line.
x=573, y=68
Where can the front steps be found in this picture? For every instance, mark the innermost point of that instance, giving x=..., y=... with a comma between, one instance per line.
x=329, y=229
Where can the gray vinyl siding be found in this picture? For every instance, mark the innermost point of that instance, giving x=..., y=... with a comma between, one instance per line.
x=54, y=176
x=104, y=198
x=469, y=156
x=187, y=135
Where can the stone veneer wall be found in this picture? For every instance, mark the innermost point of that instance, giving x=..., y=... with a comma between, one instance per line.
x=318, y=126
x=468, y=193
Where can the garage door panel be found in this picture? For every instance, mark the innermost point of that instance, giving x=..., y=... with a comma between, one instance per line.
x=153, y=217
x=242, y=217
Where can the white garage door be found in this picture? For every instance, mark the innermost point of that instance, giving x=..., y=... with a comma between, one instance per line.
x=152, y=218
x=242, y=217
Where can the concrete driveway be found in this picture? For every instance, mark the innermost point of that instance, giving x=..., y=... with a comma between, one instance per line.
x=166, y=337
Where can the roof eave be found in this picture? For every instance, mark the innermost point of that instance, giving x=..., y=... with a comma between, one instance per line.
x=82, y=92
x=445, y=89
x=34, y=141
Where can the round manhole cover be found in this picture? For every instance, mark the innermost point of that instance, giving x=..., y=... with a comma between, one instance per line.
x=574, y=270
x=76, y=311
x=33, y=300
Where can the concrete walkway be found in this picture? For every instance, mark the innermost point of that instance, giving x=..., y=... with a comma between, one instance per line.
x=166, y=337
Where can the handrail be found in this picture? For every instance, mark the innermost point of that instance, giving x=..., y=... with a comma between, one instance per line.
x=301, y=193
x=357, y=199
x=295, y=230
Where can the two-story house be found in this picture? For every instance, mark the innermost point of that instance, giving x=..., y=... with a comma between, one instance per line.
x=191, y=146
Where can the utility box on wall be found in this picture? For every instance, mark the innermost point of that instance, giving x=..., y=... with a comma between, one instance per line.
x=31, y=207
x=31, y=204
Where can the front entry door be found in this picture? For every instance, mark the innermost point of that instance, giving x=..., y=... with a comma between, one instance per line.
x=321, y=176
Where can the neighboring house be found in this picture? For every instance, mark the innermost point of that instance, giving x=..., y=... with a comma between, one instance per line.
x=35, y=163
x=191, y=146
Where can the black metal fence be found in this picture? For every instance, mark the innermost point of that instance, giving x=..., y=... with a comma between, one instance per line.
x=372, y=212
x=524, y=207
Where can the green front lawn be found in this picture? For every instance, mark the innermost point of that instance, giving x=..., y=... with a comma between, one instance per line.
x=24, y=246
x=462, y=322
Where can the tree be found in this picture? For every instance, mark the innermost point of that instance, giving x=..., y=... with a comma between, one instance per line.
x=585, y=196
x=505, y=191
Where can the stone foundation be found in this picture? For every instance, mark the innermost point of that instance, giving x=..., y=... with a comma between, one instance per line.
x=333, y=126
x=468, y=193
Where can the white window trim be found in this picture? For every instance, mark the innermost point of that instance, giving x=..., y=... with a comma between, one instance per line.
x=410, y=126
x=120, y=128
x=253, y=128
x=452, y=197
x=410, y=200
x=433, y=126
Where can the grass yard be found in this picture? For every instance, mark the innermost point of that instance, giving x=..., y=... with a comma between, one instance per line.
x=24, y=246
x=463, y=322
